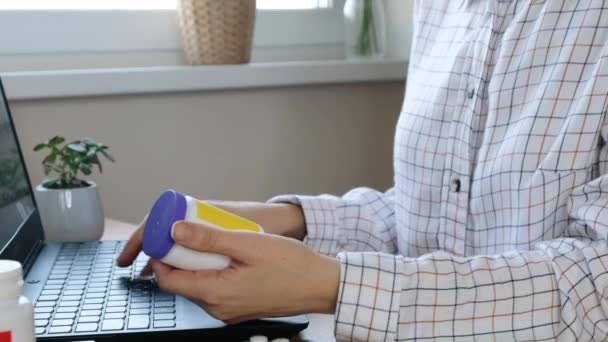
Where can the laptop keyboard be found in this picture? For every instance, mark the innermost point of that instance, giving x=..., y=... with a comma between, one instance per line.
x=87, y=293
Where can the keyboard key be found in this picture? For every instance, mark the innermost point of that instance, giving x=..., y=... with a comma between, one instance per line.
x=119, y=287
x=164, y=324
x=139, y=311
x=164, y=310
x=119, y=292
x=79, y=277
x=67, y=309
x=140, y=293
x=88, y=319
x=73, y=293
x=45, y=304
x=50, y=292
x=92, y=307
x=60, y=330
x=55, y=282
x=84, y=269
x=43, y=309
x=90, y=313
x=114, y=315
x=86, y=327
x=52, y=287
x=63, y=262
x=117, y=303
x=140, y=299
x=95, y=295
x=57, y=276
x=80, y=272
x=96, y=290
x=41, y=322
x=163, y=297
x=117, y=298
x=76, y=298
x=40, y=331
x=76, y=282
x=112, y=324
x=99, y=279
x=93, y=301
x=138, y=322
x=163, y=316
x=60, y=271
x=44, y=315
x=98, y=283
x=65, y=315
x=60, y=322
x=74, y=287
x=116, y=309
x=163, y=304
x=69, y=303
x=140, y=305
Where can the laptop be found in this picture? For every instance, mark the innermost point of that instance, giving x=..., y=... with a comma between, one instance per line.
x=79, y=293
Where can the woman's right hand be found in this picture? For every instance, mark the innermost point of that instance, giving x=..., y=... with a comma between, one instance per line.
x=276, y=218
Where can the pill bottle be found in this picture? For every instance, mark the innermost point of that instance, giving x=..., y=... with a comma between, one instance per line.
x=16, y=312
x=173, y=206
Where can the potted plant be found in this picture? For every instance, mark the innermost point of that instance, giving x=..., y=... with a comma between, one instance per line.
x=70, y=206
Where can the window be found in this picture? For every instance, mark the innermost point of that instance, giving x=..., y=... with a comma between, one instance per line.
x=116, y=33
x=147, y=4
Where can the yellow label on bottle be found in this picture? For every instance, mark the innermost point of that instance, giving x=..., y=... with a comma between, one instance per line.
x=224, y=219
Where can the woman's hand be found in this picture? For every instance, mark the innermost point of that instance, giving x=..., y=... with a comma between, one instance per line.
x=269, y=275
x=276, y=218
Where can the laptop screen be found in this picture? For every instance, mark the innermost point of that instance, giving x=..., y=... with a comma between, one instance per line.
x=17, y=209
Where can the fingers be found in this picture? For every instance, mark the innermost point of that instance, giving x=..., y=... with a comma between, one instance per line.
x=234, y=244
x=132, y=248
x=180, y=282
x=147, y=270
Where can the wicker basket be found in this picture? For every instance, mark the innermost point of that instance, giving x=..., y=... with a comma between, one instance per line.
x=217, y=31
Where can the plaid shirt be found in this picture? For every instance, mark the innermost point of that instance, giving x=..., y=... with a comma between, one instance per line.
x=497, y=225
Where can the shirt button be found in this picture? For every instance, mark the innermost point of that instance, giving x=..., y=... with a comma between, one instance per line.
x=455, y=184
x=470, y=93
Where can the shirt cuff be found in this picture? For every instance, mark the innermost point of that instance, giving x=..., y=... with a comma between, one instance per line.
x=368, y=299
x=323, y=234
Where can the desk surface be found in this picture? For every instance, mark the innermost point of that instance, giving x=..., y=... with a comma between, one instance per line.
x=321, y=327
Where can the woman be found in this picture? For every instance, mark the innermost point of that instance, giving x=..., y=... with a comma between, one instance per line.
x=496, y=226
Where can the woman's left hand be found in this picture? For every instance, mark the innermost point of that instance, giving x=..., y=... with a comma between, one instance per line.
x=269, y=275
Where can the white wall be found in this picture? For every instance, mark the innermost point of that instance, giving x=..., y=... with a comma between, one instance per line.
x=246, y=144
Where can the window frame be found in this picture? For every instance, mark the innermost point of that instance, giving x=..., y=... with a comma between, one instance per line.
x=27, y=32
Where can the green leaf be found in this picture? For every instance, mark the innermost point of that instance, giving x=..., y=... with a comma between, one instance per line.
x=85, y=169
x=88, y=141
x=40, y=147
x=50, y=158
x=107, y=155
x=91, y=152
x=53, y=167
x=56, y=140
x=77, y=148
x=95, y=160
x=51, y=183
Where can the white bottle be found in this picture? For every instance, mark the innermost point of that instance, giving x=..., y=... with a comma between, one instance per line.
x=16, y=312
x=173, y=206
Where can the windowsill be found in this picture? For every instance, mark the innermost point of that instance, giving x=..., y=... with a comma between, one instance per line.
x=103, y=82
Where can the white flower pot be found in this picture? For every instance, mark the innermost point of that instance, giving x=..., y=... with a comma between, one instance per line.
x=70, y=215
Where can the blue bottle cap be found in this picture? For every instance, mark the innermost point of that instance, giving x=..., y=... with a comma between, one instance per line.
x=169, y=207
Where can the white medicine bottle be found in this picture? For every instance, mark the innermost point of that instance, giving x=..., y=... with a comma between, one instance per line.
x=16, y=312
